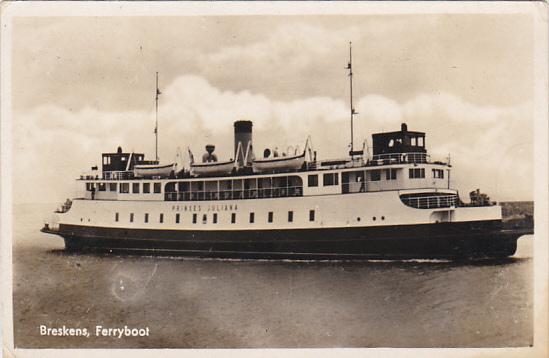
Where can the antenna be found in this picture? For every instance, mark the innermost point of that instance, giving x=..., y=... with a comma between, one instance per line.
x=156, y=124
x=353, y=112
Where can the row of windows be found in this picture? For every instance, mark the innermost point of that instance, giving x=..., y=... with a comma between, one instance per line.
x=329, y=179
x=390, y=174
x=438, y=173
x=333, y=178
x=124, y=188
x=418, y=173
x=270, y=217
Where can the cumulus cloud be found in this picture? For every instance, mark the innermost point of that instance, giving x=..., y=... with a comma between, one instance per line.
x=491, y=148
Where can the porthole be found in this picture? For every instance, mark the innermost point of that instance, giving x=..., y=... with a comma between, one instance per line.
x=374, y=218
x=383, y=218
x=358, y=219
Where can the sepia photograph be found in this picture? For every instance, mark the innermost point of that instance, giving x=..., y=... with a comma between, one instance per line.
x=274, y=175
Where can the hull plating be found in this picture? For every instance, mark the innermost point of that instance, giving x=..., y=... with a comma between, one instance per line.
x=443, y=240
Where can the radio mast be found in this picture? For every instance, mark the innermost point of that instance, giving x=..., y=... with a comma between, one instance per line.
x=353, y=112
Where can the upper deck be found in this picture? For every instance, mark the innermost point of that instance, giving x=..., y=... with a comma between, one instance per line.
x=399, y=162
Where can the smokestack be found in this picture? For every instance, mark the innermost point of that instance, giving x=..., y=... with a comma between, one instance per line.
x=243, y=135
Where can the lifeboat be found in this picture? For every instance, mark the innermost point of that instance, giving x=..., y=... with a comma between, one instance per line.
x=278, y=163
x=153, y=170
x=212, y=168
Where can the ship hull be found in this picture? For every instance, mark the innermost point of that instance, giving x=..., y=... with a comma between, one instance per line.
x=441, y=240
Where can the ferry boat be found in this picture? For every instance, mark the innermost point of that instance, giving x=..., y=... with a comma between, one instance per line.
x=394, y=203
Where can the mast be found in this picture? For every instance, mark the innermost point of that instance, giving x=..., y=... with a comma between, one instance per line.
x=353, y=112
x=156, y=123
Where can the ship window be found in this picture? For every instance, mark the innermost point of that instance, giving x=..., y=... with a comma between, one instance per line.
x=169, y=188
x=112, y=186
x=438, y=173
x=391, y=143
x=124, y=187
x=252, y=217
x=311, y=215
x=146, y=217
x=204, y=219
x=131, y=217
x=102, y=186
x=161, y=218
x=331, y=179
x=233, y=218
x=290, y=216
x=313, y=180
x=177, y=217
x=157, y=188
x=194, y=218
x=214, y=219
x=183, y=186
x=146, y=188
x=270, y=217
x=135, y=188
x=390, y=174
x=416, y=173
x=413, y=141
x=116, y=217
x=375, y=175
x=420, y=142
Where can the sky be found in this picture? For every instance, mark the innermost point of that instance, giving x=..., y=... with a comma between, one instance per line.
x=83, y=86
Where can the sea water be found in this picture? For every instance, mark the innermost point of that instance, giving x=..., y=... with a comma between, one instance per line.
x=226, y=303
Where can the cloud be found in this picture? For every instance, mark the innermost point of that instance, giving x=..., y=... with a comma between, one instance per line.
x=109, y=62
x=491, y=147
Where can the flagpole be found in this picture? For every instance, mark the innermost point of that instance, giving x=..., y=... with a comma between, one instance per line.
x=156, y=124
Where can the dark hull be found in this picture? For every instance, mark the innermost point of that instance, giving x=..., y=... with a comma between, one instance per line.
x=442, y=240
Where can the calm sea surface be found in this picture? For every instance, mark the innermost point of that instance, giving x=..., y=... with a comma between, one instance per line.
x=212, y=303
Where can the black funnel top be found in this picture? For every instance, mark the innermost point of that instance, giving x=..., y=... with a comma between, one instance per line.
x=243, y=126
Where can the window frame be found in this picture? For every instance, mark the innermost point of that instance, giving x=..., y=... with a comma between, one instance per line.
x=312, y=180
x=377, y=173
x=330, y=179
x=146, y=188
x=157, y=186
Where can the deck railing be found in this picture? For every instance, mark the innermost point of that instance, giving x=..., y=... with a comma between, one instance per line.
x=431, y=201
x=398, y=158
x=232, y=194
x=118, y=175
